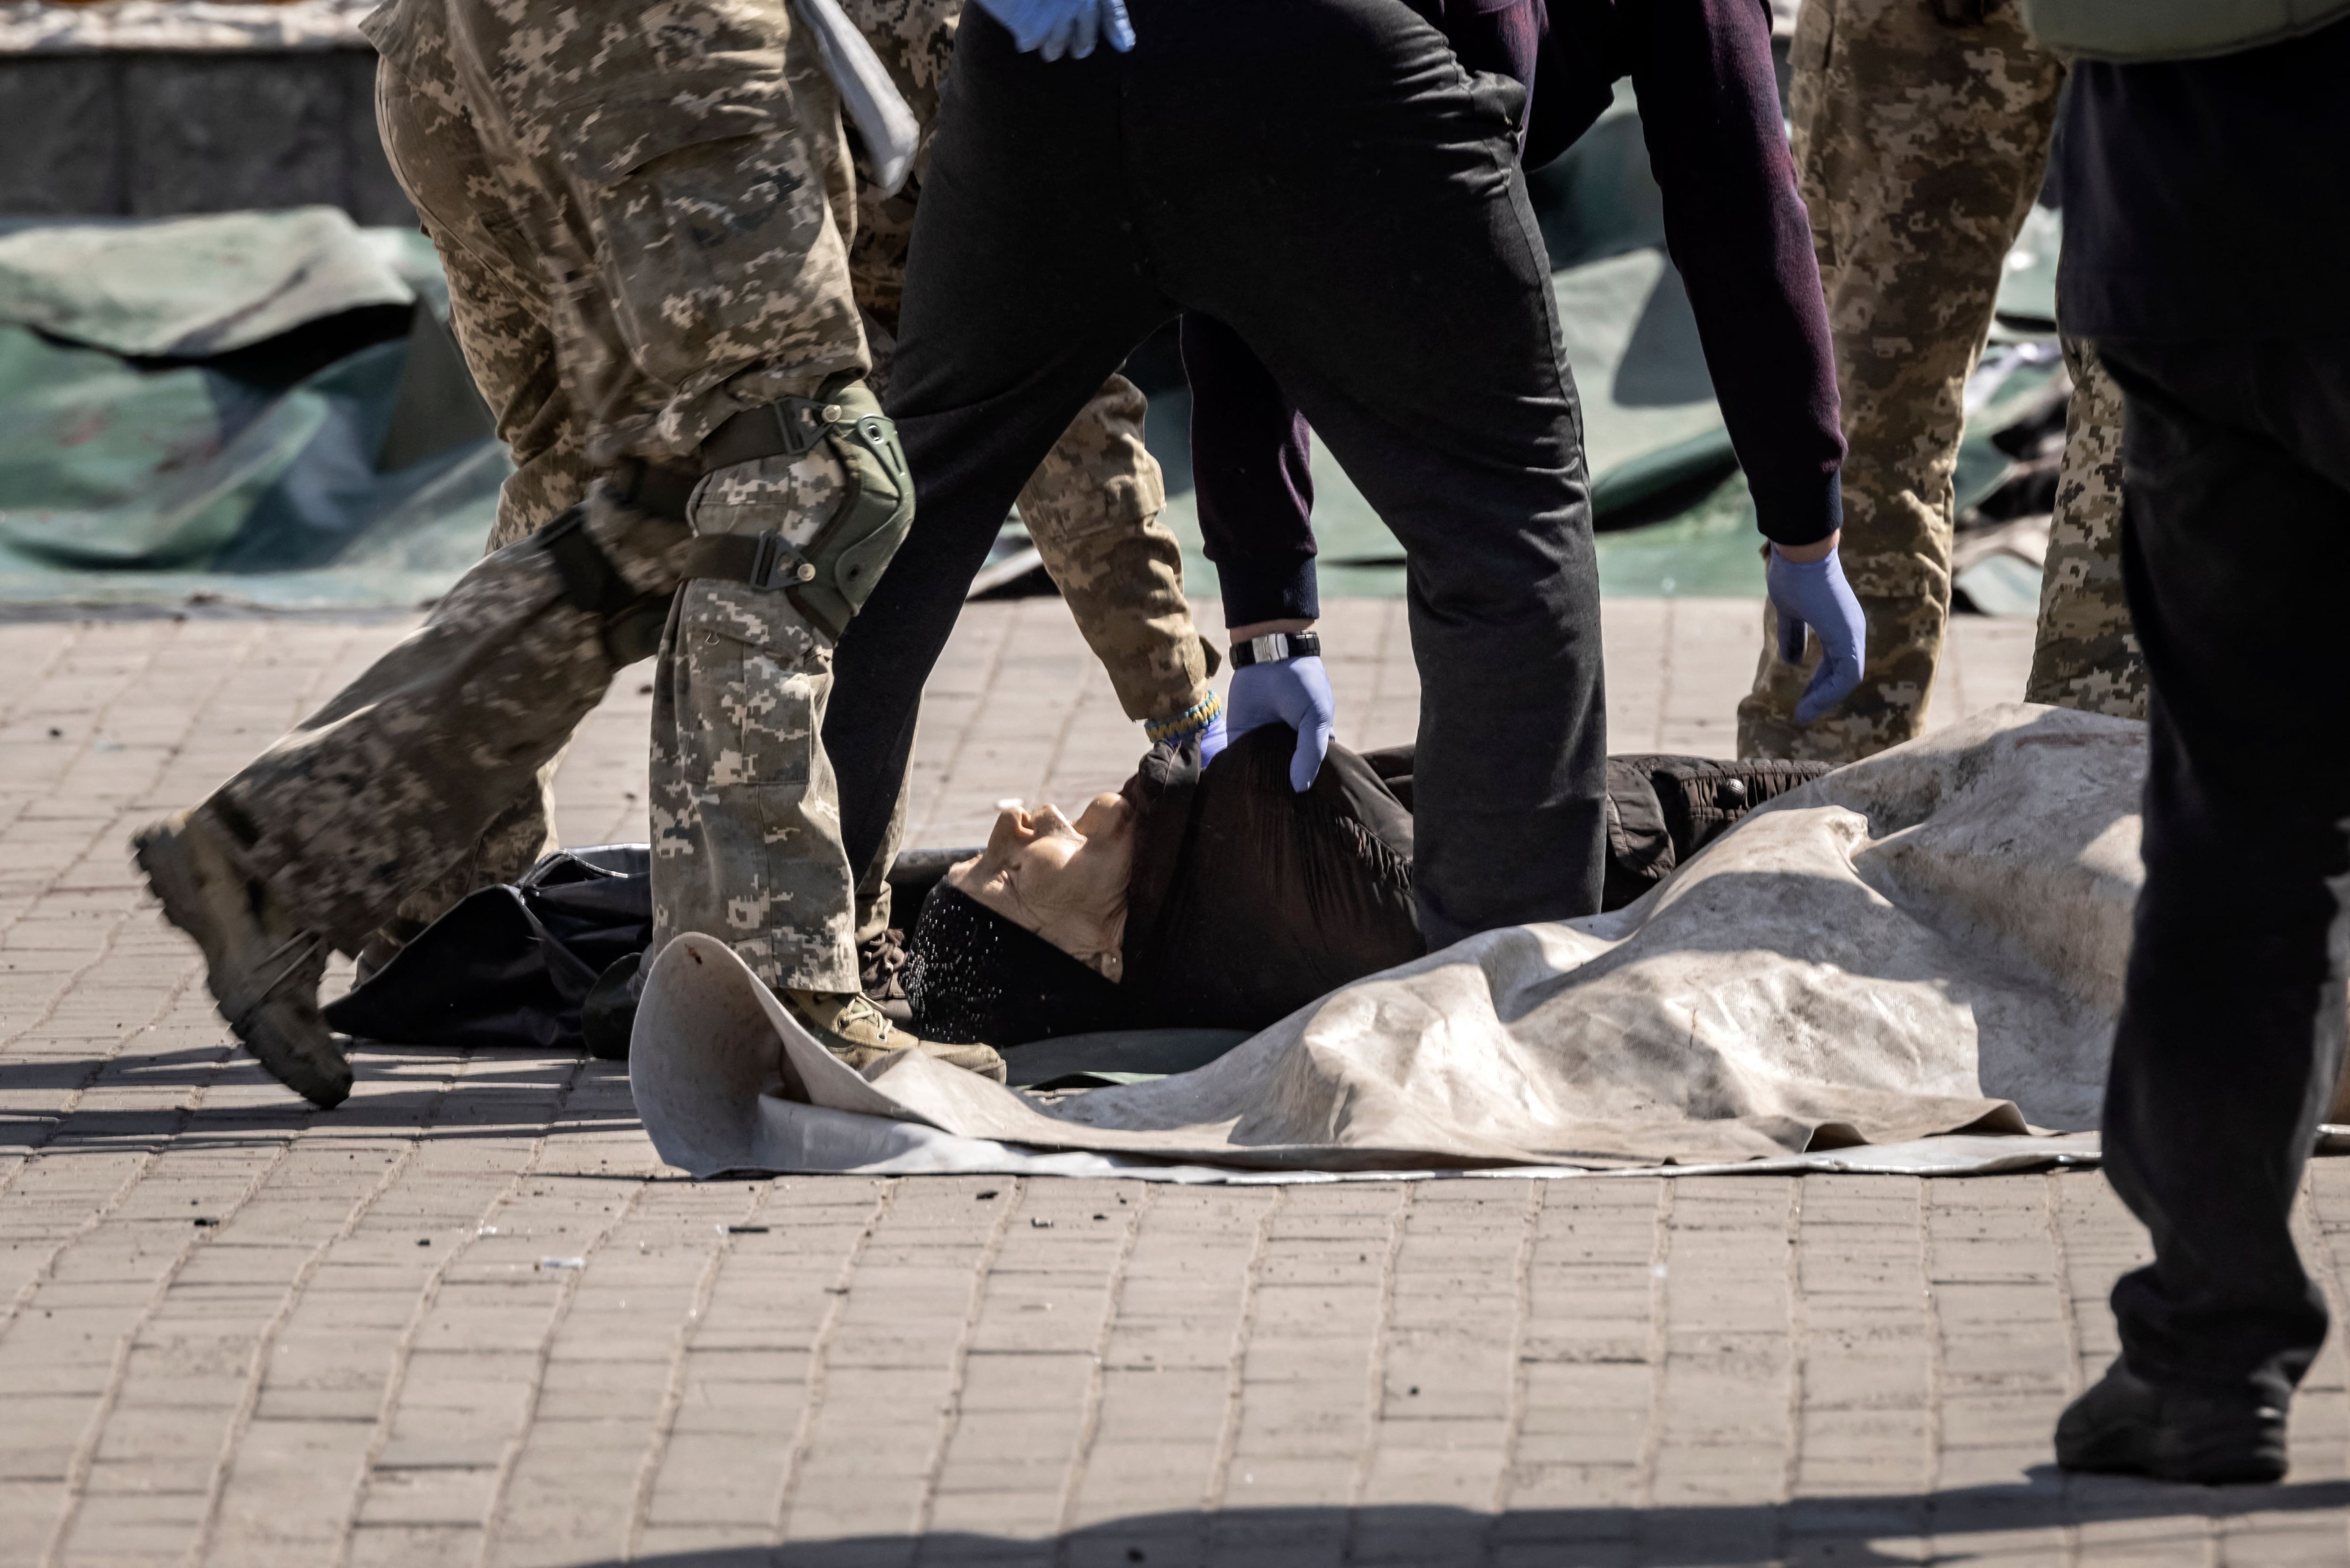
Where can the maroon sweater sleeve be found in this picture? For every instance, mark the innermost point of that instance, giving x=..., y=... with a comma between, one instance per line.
x=1737, y=229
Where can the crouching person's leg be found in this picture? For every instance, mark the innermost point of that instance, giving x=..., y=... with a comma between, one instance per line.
x=746, y=814
x=379, y=794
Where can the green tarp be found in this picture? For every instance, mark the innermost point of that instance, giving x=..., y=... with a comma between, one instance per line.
x=189, y=288
x=155, y=447
x=164, y=437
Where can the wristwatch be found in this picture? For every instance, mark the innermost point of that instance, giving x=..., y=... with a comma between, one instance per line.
x=1274, y=647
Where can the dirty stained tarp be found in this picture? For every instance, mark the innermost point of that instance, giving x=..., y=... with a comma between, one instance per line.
x=251, y=407
x=1923, y=944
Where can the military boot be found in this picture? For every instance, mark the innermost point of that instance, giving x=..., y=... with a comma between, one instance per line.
x=262, y=966
x=849, y=1026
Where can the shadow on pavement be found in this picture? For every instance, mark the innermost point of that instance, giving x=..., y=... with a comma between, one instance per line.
x=401, y=1092
x=1843, y=1532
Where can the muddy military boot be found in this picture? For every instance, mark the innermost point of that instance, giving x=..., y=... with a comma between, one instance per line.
x=860, y=1033
x=262, y=967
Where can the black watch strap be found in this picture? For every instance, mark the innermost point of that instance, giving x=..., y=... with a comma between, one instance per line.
x=1274, y=647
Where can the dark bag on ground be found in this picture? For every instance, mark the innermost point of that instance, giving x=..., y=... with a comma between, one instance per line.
x=511, y=965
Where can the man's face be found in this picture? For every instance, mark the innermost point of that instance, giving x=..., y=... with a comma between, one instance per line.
x=1064, y=880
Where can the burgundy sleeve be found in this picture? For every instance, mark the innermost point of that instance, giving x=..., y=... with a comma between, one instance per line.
x=1737, y=229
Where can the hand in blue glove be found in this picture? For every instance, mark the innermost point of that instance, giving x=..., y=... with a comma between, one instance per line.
x=1814, y=594
x=1057, y=28
x=1213, y=739
x=1292, y=691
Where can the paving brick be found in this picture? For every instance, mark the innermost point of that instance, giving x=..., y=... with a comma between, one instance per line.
x=1833, y=1370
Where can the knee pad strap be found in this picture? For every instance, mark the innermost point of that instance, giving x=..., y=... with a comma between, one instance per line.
x=829, y=578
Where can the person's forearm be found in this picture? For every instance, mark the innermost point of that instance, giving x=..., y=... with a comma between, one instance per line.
x=1737, y=227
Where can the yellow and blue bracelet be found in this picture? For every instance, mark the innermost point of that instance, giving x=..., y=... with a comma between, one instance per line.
x=1187, y=723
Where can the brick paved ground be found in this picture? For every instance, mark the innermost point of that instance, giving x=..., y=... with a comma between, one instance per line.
x=466, y=1319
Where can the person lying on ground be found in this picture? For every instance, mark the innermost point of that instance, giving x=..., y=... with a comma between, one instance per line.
x=1199, y=893
x=1219, y=897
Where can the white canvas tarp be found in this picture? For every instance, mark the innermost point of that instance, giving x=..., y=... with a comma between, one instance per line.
x=1927, y=943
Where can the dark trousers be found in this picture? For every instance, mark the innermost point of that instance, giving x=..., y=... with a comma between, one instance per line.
x=1252, y=463
x=1324, y=178
x=2237, y=555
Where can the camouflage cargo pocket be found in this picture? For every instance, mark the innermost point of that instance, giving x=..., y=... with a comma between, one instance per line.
x=704, y=224
x=755, y=679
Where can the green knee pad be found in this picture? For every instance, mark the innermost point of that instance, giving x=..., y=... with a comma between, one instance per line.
x=829, y=579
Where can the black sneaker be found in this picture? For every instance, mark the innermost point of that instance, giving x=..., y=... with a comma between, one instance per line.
x=2127, y=1426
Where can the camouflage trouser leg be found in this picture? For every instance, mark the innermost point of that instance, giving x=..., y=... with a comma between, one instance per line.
x=497, y=288
x=498, y=309
x=516, y=839
x=569, y=164
x=687, y=203
x=395, y=780
x=747, y=817
x=1919, y=147
x=2085, y=655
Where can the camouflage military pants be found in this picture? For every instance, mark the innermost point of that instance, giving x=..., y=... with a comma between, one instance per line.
x=2085, y=654
x=384, y=788
x=1919, y=147
x=543, y=355
x=746, y=817
x=650, y=225
x=1092, y=507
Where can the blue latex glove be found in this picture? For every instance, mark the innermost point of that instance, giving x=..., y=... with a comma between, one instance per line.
x=1057, y=28
x=1292, y=691
x=1213, y=739
x=1814, y=594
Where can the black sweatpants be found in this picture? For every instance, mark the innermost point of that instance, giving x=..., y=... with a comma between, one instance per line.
x=1324, y=178
x=2236, y=547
